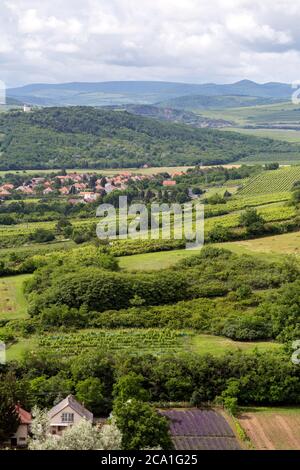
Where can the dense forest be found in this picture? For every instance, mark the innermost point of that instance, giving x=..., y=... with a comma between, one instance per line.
x=85, y=137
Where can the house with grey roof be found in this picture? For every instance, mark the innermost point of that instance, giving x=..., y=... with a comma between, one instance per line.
x=67, y=413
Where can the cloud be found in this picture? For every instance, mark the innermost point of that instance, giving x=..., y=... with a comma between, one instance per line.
x=190, y=40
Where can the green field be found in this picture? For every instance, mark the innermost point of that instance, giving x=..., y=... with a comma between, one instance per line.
x=269, y=248
x=272, y=181
x=154, y=261
x=288, y=135
x=105, y=171
x=133, y=341
x=12, y=301
x=217, y=345
x=276, y=245
x=278, y=113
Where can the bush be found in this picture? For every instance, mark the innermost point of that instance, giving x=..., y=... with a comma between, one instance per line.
x=42, y=235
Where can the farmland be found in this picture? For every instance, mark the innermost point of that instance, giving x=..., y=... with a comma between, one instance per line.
x=267, y=115
x=272, y=247
x=287, y=135
x=133, y=342
x=272, y=428
x=272, y=181
x=200, y=430
x=184, y=323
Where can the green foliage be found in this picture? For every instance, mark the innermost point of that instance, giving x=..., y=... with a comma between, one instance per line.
x=90, y=391
x=141, y=426
x=82, y=137
x=130, y=386
x=252, y=221
x=42, y=235
x=9, y=419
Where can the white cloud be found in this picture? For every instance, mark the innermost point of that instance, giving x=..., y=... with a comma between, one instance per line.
x=30, y=22
x=190, y=40
x=245, y=26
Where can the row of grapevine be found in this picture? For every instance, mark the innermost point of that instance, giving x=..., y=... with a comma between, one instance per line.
x=132, y=341
x=272, y=181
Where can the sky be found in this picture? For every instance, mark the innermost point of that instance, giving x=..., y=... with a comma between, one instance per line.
x=193, y=41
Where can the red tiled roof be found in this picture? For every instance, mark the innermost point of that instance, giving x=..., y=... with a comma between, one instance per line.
x=24, y=416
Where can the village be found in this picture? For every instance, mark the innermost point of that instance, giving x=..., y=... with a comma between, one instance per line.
x=79, y=187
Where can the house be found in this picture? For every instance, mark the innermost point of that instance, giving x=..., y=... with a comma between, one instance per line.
x=169, y=183
x=109, y=188
x=48, y=191
x=20, y=438
x=88, y=196
x=4, y=193
x=8, y=186
x=25, y=189
x=66, y=413
x=64, y=191
x=79, y=186
x=26, y=108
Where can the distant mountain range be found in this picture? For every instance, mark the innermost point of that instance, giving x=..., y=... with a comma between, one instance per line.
x=144, y=92
x=198, y=102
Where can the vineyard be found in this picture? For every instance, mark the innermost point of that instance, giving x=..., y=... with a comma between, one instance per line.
x=135, y=341
x=242, y=202
x=271, y=213
x=272, y=181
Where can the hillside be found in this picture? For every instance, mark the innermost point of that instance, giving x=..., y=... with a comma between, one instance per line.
x=272, y=181
x=164, y=113
x=142, y=92
x=84, y=137
x=198, y=102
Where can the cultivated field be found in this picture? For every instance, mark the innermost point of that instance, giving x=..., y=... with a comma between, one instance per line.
x=271, y=428
x=272, y=181
x=200, y=430
x=270, y=114
x=134, y=341
x=109, y=171
x=287, y=135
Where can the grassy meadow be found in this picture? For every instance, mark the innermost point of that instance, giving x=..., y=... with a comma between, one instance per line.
x=13, y=304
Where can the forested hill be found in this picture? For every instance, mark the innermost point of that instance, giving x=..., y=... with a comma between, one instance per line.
x=81, y=137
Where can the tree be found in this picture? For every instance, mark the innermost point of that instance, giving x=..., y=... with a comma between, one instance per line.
x=141, y=426
x=130, y=386
x=47, y=391
x=90, y=392
x=42, y=235
x=272, y=166
x=9, y=419
x=64, y=227
x=252, y=221
x=296, y=196
x=219, y=233
x=230, y=396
